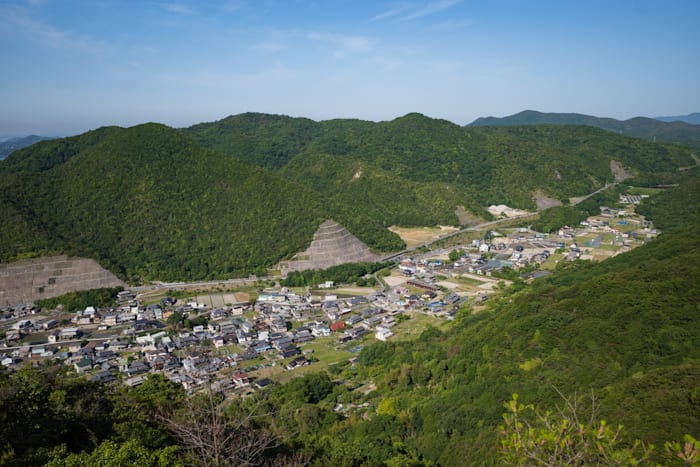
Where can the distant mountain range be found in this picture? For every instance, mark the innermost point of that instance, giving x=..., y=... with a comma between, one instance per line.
x=9, y=146
x=693, y=119
x=236, y=196
x=638, y=127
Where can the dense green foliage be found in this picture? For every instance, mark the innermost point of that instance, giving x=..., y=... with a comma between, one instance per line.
x=564, y=437
x=478, y=166
x=21, y=236
x=41, y=409
x=341, y=274
x=82, y=299
x=675, y=208
x=146, y=202
x=266, y=140
x=234, y=197
x=638, y=127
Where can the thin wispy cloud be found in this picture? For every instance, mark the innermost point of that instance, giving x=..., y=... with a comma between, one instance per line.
x=408, y=12
x=453, y=24
x=392, y=13
x=22, y=21
x=345, y=44
x=233, y=5
x=179, y=8
x=431, y=9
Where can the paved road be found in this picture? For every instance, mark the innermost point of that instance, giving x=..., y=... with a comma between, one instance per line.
x=584, y=198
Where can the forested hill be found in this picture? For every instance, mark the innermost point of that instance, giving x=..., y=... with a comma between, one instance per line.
x=146, y=201
x=481, y=166
x=693, y=118
x=638, y=127
x=624, y=330
x=234, y=197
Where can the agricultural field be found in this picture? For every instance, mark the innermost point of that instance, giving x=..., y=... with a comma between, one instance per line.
x=417, y=235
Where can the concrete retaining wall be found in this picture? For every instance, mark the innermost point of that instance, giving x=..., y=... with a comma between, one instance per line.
x=30, y=280
x=332, y=245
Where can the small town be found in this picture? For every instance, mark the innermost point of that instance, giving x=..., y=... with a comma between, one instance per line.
x=239, y=341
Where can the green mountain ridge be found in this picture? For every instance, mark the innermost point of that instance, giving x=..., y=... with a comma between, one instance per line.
x=625, y=329
x=145, y=201
x=234, y=197
x=638, y=127
x=485, y=165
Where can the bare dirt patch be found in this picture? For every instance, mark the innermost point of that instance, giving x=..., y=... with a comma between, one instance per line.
x=355, y=290
x=503, y=210
x=416, y=235
x=467, y=218
x=393, y=281
x=543, y=201
x=619, y=171
x=241, y=297
x=448, y=285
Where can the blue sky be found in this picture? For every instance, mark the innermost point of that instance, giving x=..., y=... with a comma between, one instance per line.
x=70, y=65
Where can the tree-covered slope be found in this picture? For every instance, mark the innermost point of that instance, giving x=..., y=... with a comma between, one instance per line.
x=482, y=165
x=150, y=202
x=146, y=201
x=358, y=187
x=638, y=127
x=625, y=330
x=266, y=140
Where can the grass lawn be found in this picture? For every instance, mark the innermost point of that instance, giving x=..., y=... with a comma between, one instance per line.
x=412, y=328
x=325, y=349
x=467, y=281
x=416, y=235
x=551, y=263
x=636, y=190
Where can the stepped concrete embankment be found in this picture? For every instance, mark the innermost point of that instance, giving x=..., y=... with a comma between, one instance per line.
x=332, y=245
x=29, y=280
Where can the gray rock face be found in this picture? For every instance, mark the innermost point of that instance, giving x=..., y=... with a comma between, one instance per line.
x=332, y=245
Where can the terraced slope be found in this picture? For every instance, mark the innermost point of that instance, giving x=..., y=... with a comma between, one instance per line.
x=332, y=245
x=33, y=279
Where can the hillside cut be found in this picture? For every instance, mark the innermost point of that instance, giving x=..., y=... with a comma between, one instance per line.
x=33, y=279
x=332, y=245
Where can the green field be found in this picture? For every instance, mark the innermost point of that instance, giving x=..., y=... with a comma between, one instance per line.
x=412, y=328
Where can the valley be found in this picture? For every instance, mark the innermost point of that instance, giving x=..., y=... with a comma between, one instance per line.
x=371, y=293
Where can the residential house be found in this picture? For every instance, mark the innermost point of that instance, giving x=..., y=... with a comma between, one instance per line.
x=383, y=333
